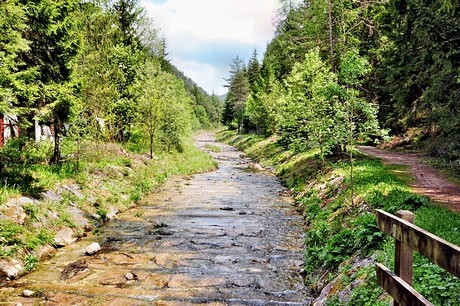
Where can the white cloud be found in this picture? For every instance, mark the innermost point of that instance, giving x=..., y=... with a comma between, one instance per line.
x=243, y=21
x=194, y=26
x=209, y=75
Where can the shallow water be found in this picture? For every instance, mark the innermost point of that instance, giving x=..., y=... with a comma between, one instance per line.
x=227, y=237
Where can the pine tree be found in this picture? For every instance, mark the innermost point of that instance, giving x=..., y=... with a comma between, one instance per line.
x=253, y=71
x=14, y=75
x=54, y=43
x=237, y=94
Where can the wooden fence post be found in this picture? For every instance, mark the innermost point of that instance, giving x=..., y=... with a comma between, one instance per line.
x=403, y=253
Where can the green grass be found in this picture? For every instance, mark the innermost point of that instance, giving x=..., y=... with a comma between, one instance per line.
x=339, y=229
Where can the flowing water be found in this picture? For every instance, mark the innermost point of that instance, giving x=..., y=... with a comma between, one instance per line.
x=227, y=237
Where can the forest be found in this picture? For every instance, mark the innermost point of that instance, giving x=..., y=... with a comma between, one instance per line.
x=93, y=116
x=92, y=70
x=344, y=71
x=97, y=117
x=339, y=74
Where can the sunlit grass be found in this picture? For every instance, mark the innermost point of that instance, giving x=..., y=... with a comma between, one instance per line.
x=339, y=229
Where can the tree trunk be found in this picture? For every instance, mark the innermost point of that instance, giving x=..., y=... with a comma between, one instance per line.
x=331, y=38
x=151, y=145
x=56, y=159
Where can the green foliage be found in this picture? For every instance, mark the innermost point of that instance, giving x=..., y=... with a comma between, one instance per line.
x=31, y=262
x=39, y=238
x=310, y=112
x=14, y=76
x=416, y=76
x=10, y=231
x=340, y=231
x=238, y=92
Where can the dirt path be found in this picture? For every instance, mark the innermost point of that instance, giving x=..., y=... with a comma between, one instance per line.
x=428, y=181
x=227, y=237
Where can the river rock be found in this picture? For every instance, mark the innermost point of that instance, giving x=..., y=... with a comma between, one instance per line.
x=113, y=171
x=46, y=252
x=51, y=196
x=28, y=293
x=14, y=209
x=64, y=237
x=130, y=276
x=256, y=167
x=75, y=190
x=92, y=249
x=340, y=286
x=337, y=181
x=79, y=217
x=11, y=268
x=111, y=213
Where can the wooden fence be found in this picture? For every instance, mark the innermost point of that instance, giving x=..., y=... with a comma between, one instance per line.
x=408, y=238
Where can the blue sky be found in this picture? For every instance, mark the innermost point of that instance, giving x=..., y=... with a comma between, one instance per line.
x=203, y=36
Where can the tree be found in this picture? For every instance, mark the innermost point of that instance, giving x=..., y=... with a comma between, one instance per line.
x=14, y=75
x=253, y=71
x=262, y=105
x=417, y=73
x=164, y=110
x=237, y=94
x=310, y=114
x=54, y=43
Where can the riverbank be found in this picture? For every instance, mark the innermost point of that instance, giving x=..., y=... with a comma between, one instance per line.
x=225, y=237
x=342, y=241
x=67, y=204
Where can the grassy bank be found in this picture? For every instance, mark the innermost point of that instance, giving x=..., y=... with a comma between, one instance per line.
x=38, y=201
x=342, y=242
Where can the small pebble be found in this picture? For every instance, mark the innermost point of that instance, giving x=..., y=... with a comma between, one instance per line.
x=130, y=276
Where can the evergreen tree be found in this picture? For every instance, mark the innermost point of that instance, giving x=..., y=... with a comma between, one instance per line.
x=253, y=71
x=54, y=43
x=237, y=94
x=14, y=76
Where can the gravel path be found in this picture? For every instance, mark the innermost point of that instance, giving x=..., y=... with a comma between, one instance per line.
x=428, y=181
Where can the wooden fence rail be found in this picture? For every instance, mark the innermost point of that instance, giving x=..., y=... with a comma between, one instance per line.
x=409, y=237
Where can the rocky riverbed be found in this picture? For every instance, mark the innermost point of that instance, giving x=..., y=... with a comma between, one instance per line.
x=228, y=237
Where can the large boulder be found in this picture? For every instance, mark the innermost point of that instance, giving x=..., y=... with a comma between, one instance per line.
x=65, y=236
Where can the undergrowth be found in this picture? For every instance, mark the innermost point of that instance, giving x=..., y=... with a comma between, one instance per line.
x=342, y=241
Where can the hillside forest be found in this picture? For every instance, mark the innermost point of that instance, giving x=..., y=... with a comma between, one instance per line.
x=91, y=70
x=97, y=117
x=344, y=71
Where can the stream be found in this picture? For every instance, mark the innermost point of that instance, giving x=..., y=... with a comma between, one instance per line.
x=227, y=237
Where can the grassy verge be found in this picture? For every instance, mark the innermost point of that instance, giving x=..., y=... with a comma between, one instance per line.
x=342, y=242
x=108, y=179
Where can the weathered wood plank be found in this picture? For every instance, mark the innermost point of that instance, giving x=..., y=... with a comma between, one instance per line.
x=436, y=249
x=398, y=289
x=403, y=253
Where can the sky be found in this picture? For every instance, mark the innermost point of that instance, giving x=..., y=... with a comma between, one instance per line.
x=203, y=36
